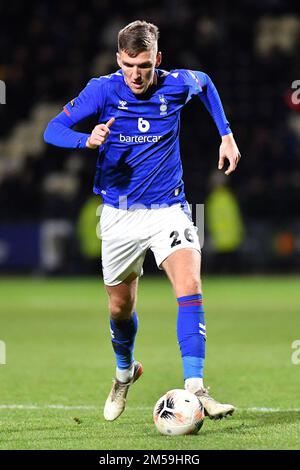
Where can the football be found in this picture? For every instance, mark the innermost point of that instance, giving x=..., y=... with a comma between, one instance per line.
x=178, y=412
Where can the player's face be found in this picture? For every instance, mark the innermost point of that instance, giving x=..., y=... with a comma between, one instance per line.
x=139, y=71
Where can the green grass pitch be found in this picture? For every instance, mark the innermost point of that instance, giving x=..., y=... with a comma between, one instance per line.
x=60, y=364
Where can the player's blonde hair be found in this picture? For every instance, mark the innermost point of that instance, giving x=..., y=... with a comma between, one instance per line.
x=137, y=37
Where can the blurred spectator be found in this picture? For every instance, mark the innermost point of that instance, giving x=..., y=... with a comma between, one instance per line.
x=224, y=224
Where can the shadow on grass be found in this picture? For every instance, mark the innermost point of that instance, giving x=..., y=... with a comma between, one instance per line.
x=275, y=417
x=250, y=421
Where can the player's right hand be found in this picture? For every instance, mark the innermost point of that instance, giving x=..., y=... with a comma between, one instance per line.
x=99, y=134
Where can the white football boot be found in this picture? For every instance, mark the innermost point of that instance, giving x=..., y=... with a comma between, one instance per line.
x=213, y=408
x=116, y=400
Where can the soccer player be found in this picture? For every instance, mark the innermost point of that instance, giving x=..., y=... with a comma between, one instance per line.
x=139, y=176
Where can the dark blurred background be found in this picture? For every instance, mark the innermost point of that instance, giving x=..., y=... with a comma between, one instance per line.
x=50, y=50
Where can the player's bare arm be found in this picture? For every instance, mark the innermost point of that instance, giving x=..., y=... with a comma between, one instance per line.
x=99, y=134
x=229, y=150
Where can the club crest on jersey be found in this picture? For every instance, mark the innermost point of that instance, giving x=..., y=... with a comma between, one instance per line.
x=122, y=104
x=164, y=105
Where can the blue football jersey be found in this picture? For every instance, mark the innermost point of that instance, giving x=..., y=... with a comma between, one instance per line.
x=140, y=162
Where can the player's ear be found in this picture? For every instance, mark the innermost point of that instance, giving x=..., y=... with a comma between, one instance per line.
x=118, y=59
x=158, y=59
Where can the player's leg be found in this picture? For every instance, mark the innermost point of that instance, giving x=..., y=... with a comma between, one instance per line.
x=123, y=327
x=122, y=263
x=123, y=324
x=183, y=270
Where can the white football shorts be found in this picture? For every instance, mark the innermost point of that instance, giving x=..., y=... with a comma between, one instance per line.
x=128, y=234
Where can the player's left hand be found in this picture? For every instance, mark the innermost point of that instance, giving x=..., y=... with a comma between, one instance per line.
x=229, y=150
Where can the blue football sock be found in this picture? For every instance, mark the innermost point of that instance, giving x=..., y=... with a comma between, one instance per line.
x=122, y=337
x=191, y=335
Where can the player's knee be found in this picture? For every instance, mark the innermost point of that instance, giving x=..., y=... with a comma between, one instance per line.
x=120, y=309
x=191, y=286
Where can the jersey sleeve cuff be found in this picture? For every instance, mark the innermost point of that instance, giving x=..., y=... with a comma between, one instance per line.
x=225, y=131
x=82, y=140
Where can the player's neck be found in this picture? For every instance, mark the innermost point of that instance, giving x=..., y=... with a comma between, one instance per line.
x=154, y=82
